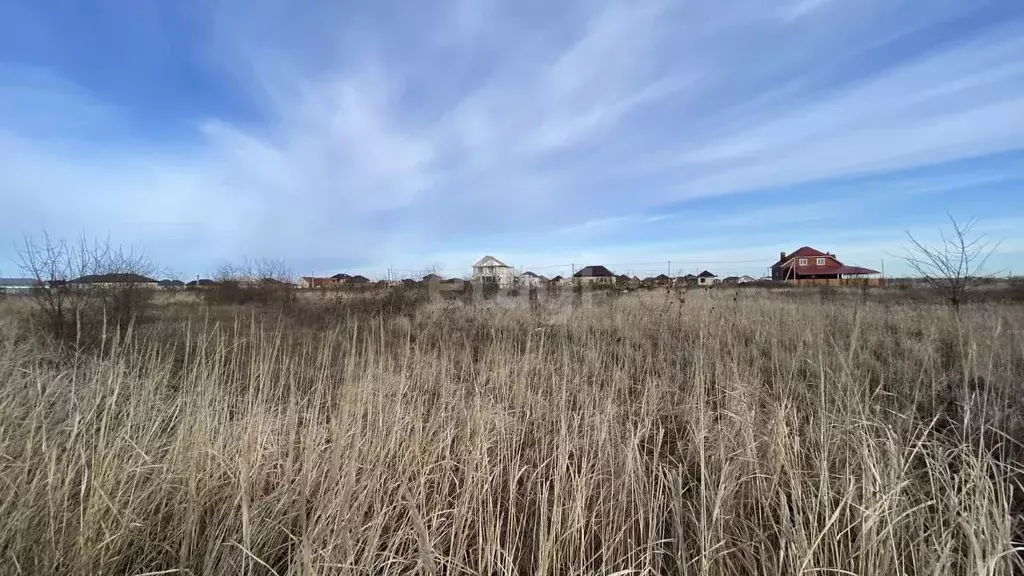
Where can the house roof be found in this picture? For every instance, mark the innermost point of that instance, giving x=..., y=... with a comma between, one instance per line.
x=340, y=277
x=557, y=279
x=113, y=278
x=533, y=275
x=490, y=261
x=706, y=274
x=804, y=252
x=429, y=277
x=816, y=270
x=358, y=279
x=689, y=277
x=661, y=277
x=171, y=283
x=594, y=272
x=732, y=278
x=834, y=266
x=854, y=270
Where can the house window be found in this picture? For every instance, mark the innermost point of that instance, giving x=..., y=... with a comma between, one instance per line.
x=821, y=261
x=802, y=262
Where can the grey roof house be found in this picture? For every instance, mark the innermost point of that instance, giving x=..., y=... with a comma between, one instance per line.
x=594, y=274
x=114, y=278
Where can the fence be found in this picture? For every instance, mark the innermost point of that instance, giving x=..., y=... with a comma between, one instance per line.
x=837, y=282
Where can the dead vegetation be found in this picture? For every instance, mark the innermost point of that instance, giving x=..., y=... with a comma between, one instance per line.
x=716, y=433
x=64, y=304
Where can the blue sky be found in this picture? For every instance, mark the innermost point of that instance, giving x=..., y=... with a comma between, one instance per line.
x=363, y=136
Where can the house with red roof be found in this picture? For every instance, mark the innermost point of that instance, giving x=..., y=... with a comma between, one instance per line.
x=808, y=263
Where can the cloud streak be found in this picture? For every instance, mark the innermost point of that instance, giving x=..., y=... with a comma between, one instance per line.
x=358, y=138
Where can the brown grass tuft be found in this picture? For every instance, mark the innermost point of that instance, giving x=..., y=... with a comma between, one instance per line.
x=755, y=434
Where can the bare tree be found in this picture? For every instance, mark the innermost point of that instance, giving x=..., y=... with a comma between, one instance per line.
x=954, y=267
x=82, y=282
x=253, y=280
x=253, y=271
x=431, y=270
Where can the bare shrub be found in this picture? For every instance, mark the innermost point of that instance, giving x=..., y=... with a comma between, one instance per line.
x=489, y=290
x=253, y=281
x=86, y=284
x=956, y=266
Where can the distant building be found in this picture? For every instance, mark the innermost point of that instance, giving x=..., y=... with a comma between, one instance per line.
x=706, y=278
x=490, y=270
x=18, y=285
x=807, y=263
x=531, y=280
x=116, y=279
x=627, y=281
x=335, y=281
x=688, y=280
x=455, y=283
x=171, y=285
x=331, y=281
x=594, y=275
x=200, y=283
x=432, y=278
x=307, y=282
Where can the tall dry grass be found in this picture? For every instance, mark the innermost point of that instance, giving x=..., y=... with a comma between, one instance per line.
x=760, y=435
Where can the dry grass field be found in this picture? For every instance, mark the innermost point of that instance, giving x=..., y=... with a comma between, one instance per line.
x=761, y=432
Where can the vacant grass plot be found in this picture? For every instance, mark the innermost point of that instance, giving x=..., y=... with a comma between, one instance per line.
x=724, y=434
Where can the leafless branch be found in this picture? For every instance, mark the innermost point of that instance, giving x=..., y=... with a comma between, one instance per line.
x=64, y=300
x=956, y=265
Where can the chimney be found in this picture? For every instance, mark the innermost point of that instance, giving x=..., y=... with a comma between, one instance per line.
x=782, y=256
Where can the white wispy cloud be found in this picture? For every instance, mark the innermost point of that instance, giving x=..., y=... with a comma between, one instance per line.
x=372, y=139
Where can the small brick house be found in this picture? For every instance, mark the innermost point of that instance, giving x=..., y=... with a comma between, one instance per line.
x=808, y=263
